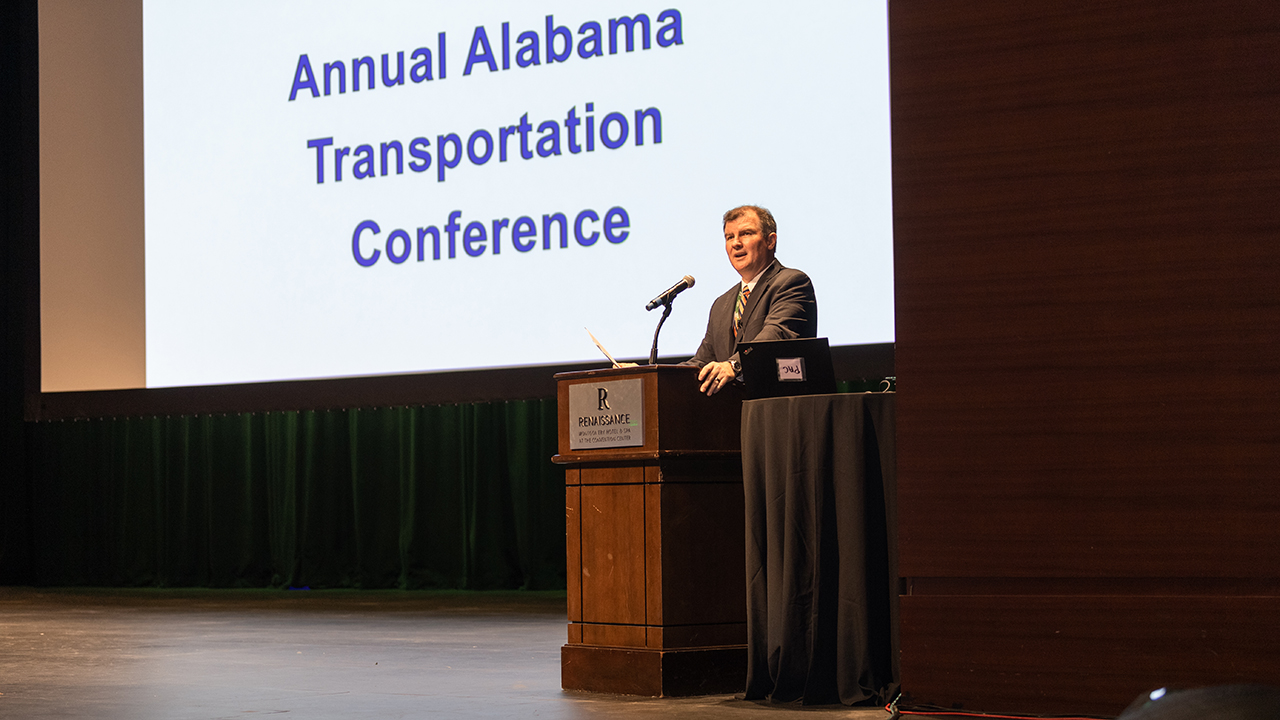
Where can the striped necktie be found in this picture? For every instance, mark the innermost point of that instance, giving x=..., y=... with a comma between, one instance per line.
x=743, y=293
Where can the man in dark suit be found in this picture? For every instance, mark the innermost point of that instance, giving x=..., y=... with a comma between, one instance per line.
x=771, y=303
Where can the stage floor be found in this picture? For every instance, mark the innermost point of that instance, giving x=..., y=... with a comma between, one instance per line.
x=178, y=654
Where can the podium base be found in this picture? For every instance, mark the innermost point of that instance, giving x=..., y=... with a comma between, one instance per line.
x=655, y=673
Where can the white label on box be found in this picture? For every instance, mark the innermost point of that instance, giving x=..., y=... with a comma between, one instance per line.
x=791, y=369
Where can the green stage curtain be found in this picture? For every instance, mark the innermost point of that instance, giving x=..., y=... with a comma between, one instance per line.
x=455, y=496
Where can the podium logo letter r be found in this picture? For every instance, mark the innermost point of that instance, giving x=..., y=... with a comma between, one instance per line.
x=604, y=399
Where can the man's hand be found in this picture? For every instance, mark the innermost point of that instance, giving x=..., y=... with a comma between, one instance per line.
x=714, y=376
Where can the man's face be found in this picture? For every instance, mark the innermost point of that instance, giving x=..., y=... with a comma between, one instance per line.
x=749, y=250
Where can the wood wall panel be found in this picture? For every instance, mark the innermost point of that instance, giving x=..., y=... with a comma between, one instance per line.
x=1086, y=252
x=1087, y=257
x=1081, y=655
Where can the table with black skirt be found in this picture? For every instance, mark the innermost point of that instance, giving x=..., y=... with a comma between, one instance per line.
x=818, y=473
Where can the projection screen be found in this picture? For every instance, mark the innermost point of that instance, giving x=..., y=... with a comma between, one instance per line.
x=317, y=190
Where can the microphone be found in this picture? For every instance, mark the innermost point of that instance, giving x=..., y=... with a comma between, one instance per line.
x=665, y=298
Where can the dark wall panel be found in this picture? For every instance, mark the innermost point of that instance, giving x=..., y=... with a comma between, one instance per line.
x=19, y=281
x=1086, y=226
x=1087, y=234
x=1080, y=654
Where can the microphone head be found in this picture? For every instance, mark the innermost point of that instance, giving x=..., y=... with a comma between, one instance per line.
x=688, y=281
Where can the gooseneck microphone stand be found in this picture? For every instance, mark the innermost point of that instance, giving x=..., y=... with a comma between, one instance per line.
x=653, y=353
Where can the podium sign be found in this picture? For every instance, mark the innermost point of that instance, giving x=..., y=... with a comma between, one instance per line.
x=606, y=414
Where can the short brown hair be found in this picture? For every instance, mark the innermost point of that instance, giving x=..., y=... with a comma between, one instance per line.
x=768, y=226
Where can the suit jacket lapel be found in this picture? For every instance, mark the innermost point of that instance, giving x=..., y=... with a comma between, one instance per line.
x=756, y=293
x=759, y=290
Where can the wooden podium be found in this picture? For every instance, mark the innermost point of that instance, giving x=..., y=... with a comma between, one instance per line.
x=657, y=592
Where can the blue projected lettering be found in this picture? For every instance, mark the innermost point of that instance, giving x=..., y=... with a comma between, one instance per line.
x=549, y=140
x=460, y=153
x=481, y=240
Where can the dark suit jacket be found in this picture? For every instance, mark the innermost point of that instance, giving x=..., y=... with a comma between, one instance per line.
x=782, y=306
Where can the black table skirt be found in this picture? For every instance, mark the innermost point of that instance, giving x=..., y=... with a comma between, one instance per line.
x=818, y=472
